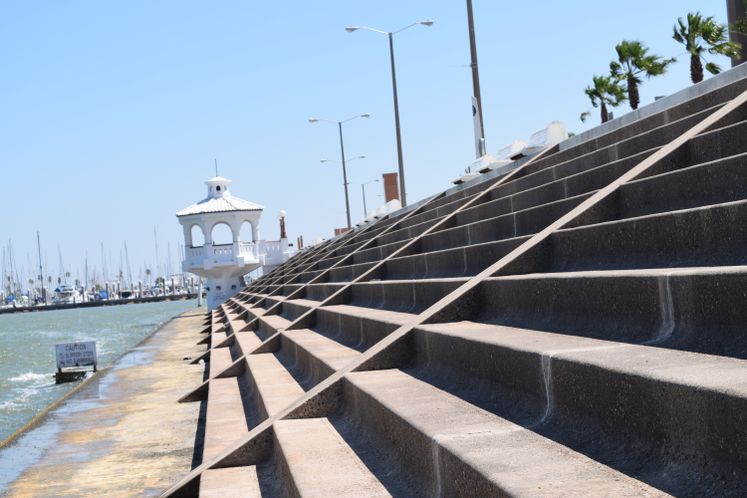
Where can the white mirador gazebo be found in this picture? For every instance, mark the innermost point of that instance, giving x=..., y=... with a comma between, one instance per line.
x=224, y=263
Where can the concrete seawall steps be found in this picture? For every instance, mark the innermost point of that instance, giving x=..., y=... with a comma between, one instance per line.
x=574, y=327
x=449, y=445
x=318, y=462
x=234, y=482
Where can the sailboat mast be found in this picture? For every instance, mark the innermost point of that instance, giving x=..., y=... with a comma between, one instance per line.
x=30, y=270
x=158, y=264
x=127, y=265
x=5, y=273
x=41, y=268
x=104, y=273
x=13, y=267
x=120, y=275
x=168, y=260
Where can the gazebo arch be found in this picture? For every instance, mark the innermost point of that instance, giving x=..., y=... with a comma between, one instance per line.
x=247, y=232
x=221, y=233
x=196, y=236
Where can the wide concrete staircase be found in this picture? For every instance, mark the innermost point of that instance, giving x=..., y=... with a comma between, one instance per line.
x=576, y=327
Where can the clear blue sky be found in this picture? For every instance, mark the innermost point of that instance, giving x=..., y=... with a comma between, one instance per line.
x=112, y=112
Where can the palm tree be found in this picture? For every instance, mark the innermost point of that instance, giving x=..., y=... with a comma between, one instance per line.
x=700, y=35
x=633, y=60
x=606, y=91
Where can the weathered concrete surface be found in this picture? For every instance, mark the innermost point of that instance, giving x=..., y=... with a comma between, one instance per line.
x=129, y=436
x=596, y=349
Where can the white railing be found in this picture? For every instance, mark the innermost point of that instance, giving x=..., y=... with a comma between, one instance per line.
x=272, y=252
x=223, y=250
x=270, y=246
x=247, y=249
x=196, y=252
x=220, y=254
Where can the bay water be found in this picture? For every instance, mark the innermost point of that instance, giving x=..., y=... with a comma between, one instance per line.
x=27, y=358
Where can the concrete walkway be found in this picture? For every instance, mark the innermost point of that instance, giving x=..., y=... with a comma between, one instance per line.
x=123, y=434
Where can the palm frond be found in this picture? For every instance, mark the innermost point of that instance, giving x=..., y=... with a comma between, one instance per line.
x=713, y=68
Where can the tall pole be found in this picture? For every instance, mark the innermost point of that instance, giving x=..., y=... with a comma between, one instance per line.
x=344, y=174
x=85, y=282
x=342, y=157
x=155, y=239
x=400, y=161
x=390, y=36
x=736, y=10
x=41, y=270
x=475, y=72
x=363, y=193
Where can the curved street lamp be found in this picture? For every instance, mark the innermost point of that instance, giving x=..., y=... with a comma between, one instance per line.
x=390, y=36
x=342, y=155
x=363, y=191
x=347, y=160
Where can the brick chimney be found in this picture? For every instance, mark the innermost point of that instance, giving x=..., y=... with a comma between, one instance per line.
x=391, y=186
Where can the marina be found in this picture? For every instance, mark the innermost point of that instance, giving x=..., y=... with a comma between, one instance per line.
x=99, y=303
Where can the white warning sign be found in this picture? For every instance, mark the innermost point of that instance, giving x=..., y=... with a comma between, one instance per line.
x=75, y=354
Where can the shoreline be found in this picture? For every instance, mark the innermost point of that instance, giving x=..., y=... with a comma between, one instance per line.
x=97, y=304
x=40, y=417
x=106, y=424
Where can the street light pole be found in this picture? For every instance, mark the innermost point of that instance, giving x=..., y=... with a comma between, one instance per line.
x=342, y=152
x=400, y=160
x=344, y=174
x=475, y=74
x=363, y=192
x=390, y=36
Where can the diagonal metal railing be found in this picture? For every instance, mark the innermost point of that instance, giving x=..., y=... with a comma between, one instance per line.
x=302, y=321
x=321, y=399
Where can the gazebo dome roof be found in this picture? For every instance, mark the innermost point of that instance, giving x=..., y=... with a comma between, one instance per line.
x=219, y=200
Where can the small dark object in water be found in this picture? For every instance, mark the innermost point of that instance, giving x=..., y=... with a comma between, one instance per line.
x=69, y=376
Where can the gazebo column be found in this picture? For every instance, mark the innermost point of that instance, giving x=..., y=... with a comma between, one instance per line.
x=236, y=231
x=187, y=234
x=255, y=237
x=207, y=233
